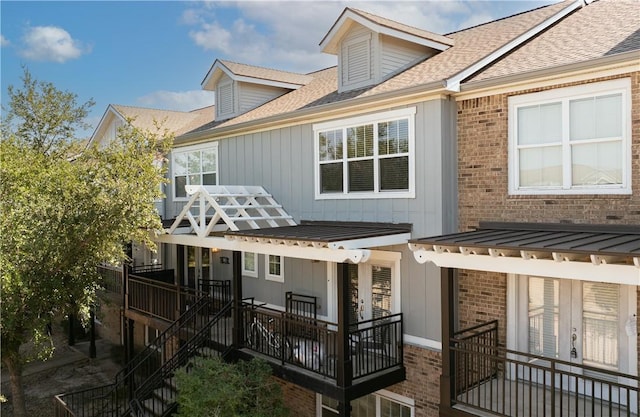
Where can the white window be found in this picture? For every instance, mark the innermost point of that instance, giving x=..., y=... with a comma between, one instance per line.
x=379, y=404
x=194, y=166
x=574, y=140
x=250, y=264
x=366, y=157
x=150, y=336
x=274, y=266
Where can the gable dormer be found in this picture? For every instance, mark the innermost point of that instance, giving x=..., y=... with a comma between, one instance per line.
x=240, y=88
x=371, y=49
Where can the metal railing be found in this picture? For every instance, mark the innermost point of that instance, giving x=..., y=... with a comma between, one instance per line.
x=376, y=345
x=113, y=400
x=158, y=299
x=111, y=278
x=504, y=382
x=157, y=394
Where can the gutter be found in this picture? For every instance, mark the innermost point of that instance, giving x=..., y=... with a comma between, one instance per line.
x=453, y=83
x=611, y=60
x=302, y=115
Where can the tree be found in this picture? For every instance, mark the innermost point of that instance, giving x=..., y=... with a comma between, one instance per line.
x=63, y=215
x=213, y=388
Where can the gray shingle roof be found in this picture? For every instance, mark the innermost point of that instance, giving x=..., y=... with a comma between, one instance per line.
x=602, y=28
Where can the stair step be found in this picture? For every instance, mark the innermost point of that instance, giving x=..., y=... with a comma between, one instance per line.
x=154, y=407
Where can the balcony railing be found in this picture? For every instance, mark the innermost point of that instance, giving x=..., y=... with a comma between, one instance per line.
x=111, y=278
x=511, y=383
x=376, y=345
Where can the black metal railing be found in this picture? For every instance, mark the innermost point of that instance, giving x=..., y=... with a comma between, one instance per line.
x=504, y=382
x=376, y=345
x=113, y=400
x=157, y=395
x=158, y=299
x=219, y=292
x=111, y=278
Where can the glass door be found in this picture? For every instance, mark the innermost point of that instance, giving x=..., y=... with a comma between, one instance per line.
x=371, y=290
x=197, y=266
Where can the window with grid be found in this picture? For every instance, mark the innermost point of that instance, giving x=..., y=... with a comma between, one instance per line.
x=571, y=140
x=194, y=166
x=368, y=157
x=274, y=267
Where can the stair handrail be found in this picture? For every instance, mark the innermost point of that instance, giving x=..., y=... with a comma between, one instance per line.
x=127, y=372
x=187, y=351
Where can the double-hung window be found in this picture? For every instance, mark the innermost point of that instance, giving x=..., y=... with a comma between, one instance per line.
x=274, y=266
x=574, y=140
x=366, y=157
x=194, y=166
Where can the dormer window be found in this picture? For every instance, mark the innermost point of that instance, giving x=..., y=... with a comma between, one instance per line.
x=371, y=49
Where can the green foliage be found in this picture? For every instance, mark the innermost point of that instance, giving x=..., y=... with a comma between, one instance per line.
x=44, y=116
x=62, y=216
x=213, y=388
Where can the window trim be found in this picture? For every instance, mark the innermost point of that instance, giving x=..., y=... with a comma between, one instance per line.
x=188, y=149
x=383, y=393
x=248, y=272
x=389, y=116
x=271, y=277
x=565, y=95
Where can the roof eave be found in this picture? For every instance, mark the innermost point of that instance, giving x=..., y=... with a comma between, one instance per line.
x=300, y=115
x=621, y=59
x=454, y=82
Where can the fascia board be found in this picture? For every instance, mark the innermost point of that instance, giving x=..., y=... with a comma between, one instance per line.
x=302, y=115
x=576, y=270
x=453, y=82
x=623, y=62
x=311, y=253
x=330, y=42
x=105, y=119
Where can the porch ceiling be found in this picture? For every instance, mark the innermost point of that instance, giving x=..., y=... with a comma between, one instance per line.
x=589, y=252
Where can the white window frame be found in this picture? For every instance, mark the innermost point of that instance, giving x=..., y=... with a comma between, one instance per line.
x=374, y=119
x=247, y=272
x=388, y=395
x=272, y=277
x=147, y=340
x=185, y=150
x=564, y=96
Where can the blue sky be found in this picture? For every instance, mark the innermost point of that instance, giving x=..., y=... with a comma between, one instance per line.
x=155, y=53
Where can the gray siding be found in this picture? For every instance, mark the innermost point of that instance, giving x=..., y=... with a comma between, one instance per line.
x=300, y=276
x=282, y=161
x=397, y=55
x=253, y=95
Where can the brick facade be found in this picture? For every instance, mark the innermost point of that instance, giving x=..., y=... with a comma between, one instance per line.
x=422, y=385
x=483, y=195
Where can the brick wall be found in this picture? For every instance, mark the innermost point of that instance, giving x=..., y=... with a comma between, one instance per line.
x=483, y=195
x=423, y=366
x=483, y=174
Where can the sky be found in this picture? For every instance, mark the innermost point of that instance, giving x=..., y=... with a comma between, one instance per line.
x=155, y=54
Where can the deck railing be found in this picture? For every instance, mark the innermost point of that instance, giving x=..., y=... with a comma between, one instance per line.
x=376, y=345
x=504, y=382
x=111, y=278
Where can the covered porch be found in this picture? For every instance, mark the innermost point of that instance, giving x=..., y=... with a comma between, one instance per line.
x=537, y=368
x=334, y=355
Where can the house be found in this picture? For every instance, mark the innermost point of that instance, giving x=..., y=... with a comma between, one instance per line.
x=540, y=284
x=302, y=208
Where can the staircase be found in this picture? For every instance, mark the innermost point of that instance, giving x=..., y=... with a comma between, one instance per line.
x=145, y=387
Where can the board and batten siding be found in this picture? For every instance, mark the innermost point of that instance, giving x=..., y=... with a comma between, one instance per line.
x=282, y=161
x=300, y=276
x=254, y=95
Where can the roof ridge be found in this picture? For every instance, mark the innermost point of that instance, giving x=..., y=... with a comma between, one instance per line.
x=359, y=11
x=508, y=17
x=225, y=61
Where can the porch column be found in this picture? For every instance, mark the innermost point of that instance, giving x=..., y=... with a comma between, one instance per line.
x=447, y=379
x=344, y=375
x=238, y=331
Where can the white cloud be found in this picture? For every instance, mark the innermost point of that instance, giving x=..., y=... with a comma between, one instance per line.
x=180, y=101
x=4, y=41
x=51, y=43
x=286, y=34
